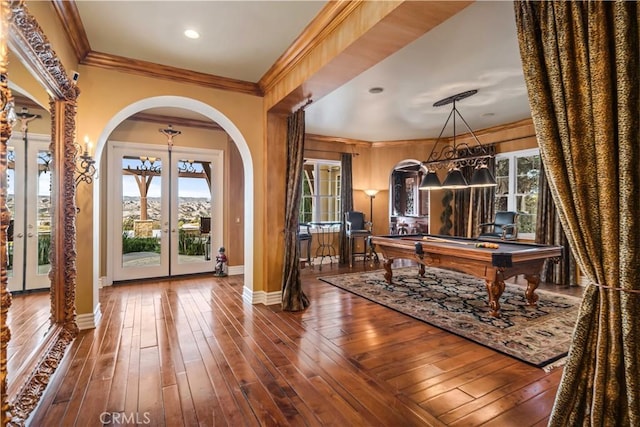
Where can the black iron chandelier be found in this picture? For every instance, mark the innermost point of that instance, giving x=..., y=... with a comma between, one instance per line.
x=457, y=156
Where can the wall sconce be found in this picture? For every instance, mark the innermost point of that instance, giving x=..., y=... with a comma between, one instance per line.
x=457, y=156
x=85, y=164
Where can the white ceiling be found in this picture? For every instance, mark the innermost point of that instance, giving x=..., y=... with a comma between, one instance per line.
x=475, y=49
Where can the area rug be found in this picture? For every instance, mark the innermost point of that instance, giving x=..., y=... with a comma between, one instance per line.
x=457, y=303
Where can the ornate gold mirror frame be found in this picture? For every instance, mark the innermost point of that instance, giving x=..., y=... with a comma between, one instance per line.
x=22, y=34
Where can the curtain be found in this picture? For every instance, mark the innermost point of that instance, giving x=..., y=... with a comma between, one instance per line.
x=293, y=298
x=474, y=205
x=549, y=232
x=580, y=62
x=346, y=201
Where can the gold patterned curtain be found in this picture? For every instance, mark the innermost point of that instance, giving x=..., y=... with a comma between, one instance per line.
x=293, y=298
x=581, y=62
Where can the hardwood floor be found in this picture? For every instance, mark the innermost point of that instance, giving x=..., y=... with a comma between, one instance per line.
x=190, y=352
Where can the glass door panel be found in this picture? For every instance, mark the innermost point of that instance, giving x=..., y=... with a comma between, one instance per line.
x=140, y=217
x=38, y=230
x=15, y=204
x=193, y=238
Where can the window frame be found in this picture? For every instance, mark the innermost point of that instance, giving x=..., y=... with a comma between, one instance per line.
x=512, y=157
x=317, y=200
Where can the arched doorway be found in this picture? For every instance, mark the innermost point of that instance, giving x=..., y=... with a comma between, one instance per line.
x=234, y=134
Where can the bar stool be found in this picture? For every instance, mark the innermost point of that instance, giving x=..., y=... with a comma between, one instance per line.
x=356, y=227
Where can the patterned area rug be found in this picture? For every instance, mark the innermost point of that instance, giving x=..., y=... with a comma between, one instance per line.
x=457, y=303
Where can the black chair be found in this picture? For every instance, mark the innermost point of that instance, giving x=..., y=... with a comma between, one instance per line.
x=356, y=227
x=503, y=227
x=304, y=235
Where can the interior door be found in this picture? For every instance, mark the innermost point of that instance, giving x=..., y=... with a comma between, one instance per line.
x=139, y=232
x=29, y=201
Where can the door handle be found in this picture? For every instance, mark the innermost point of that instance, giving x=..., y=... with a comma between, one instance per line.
x=19, y=235
x=30, y=235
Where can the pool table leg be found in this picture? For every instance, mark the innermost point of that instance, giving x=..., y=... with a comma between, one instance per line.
x=388, y=274
x=533, y=280
x=495, y=288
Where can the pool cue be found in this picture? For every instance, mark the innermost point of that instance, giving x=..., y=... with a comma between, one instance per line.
x=439, y=239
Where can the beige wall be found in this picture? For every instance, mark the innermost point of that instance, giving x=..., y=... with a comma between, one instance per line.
x=105, y=93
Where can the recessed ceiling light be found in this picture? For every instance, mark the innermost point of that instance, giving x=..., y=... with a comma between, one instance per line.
x=488, y=114
x=192, y=34
x=376, y=90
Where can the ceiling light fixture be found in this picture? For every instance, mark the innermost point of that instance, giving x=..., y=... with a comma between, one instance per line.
x=457, y=156
x=376, y=90
x=192, y=34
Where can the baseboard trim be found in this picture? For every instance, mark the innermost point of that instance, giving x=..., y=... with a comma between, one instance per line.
x=235, y=270
x=261, y=297
x=89, y=320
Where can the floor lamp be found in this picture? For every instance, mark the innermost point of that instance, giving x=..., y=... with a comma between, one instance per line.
x=372, y=195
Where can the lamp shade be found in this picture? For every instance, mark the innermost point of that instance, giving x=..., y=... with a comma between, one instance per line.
x=430, y=181
x=482, y=177
x=455, y=179
x=371, y=193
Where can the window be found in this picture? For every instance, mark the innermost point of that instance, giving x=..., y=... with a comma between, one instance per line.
x=321, y=191
x=517, y=177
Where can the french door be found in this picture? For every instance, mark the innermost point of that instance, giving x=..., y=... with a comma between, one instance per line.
x=29, y=201
x=165, y=210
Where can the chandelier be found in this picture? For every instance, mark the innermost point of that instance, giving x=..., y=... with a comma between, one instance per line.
x=458, y=155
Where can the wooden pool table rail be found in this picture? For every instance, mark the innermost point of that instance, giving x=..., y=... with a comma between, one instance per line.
x=478, y=262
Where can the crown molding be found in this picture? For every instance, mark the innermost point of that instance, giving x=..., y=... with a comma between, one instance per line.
x=325, y=22
x=176, y=121
x=72, y=24
x=70, y=17
x=151, y=69
x=520, y=129
x=345, y=141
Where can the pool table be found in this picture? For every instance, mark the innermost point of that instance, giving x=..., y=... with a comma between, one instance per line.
x=489, y=259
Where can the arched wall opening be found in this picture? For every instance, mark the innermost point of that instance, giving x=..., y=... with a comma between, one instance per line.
x=234, y=133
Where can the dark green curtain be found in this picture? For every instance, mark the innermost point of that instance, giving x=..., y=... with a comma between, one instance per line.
x=293, y=298
x=549, y=232
x=581, y=63
x=346, y=201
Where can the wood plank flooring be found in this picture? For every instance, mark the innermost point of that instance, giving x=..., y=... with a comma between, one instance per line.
x=190, y=352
